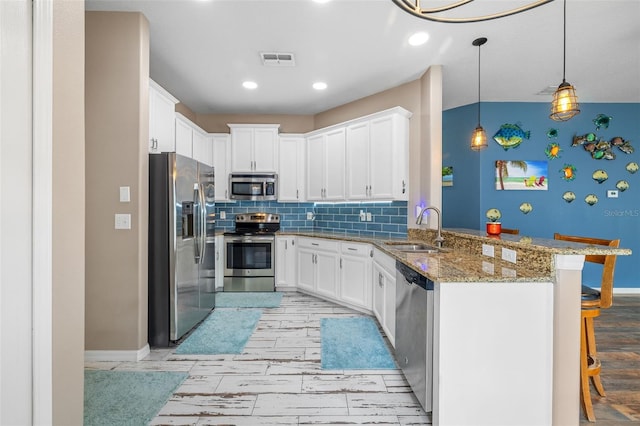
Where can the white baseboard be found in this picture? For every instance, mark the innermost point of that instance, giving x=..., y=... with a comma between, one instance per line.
x=117, y=355
x=626, y=290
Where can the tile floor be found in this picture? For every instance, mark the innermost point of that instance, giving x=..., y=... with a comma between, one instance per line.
x=277, y=380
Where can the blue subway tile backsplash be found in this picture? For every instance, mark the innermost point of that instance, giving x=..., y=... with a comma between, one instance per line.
x=388, y=220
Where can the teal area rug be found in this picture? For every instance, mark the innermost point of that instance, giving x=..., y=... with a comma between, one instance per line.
x=129, y=398
x=224, y=331
x=248, y=299
x=353, y=344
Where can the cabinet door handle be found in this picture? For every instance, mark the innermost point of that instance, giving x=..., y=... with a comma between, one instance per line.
x=285, y=244
x=293, y=242
x=370, y=190
x=340, y=263
x=403, y=186
x=370, y=253
x=315, y=244
x=297, y=196
x=352, y=249
x=226, y=191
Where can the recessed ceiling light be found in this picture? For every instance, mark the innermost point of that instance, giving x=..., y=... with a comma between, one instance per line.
x=320, y=85
x=418, y=39
x=250, y=85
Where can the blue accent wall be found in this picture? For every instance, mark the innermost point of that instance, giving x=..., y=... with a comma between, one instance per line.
x=389, y=220
x=473, y=191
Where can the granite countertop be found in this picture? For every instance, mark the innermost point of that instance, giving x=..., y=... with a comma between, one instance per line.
x=461, y=260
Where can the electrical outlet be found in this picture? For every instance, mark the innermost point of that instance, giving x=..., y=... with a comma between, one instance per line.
x=612, y=193
x=487, y=250
x=123, y=221
x=508, y=273
x=310, y=216
x=369, y=217
x=223, y=215
x=487, y=267
x=363, y=216
x=509, y=255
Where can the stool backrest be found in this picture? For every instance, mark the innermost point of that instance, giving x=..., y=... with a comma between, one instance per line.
x=608, y=261
x=509, y=231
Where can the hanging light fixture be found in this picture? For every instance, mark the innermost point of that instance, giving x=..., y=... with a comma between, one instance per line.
x=479, y=137
x=565, y=101
x=413, y=7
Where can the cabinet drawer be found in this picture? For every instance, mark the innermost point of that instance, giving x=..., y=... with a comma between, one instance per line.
x=355, y=249
x=318, y=244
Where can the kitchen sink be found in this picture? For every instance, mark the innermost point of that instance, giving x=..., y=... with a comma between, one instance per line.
x=413, y=247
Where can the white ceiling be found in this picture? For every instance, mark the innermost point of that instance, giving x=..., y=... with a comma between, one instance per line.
x=202, y=50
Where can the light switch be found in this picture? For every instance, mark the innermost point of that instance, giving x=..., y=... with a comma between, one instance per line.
x=369, y=217
x=125, y=194
x=123, y=221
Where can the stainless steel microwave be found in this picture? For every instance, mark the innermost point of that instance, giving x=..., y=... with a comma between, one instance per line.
x=253, y=186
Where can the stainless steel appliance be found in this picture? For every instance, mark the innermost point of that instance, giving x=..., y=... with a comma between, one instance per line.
x=253, y=186
x=414, y=331
x=249, y=254
x=181, y=246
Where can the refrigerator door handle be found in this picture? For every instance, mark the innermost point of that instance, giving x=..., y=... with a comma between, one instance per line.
x=203, y=224
x=196, y=223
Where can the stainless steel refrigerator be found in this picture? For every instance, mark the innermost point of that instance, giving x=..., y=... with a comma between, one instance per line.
x=181, y=246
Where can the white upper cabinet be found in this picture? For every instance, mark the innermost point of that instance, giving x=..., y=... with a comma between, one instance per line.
x=291, y=172
x=221, y=159
x=357, y=158
x=326, y=165
x=376, y=156
x=192, y=141
x=161, y=119
x=184, y=136
x=202, y=147
x=254, y=147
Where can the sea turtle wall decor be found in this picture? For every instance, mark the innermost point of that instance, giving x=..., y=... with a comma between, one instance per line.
x=552, y=151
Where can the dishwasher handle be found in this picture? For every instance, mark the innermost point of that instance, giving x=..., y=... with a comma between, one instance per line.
x=414, y=277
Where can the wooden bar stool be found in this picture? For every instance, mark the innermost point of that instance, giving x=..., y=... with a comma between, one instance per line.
x=591, y=302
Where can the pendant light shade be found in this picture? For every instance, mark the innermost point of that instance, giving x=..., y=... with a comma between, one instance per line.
x=565, y=101
x=479, y=137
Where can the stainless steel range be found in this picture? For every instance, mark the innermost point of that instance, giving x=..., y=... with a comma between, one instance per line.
x=249, y=253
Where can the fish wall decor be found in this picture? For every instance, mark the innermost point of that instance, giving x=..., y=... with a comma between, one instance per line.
x=510, y=136
x=601, y=149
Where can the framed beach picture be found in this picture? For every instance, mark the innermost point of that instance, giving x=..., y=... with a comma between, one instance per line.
x=447, y=176
x=522, y=175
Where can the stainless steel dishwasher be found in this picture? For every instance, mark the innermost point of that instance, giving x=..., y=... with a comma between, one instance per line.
x=414, y=331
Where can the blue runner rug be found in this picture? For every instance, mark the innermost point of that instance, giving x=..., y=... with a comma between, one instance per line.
x=248, y=299
x=127, y=397
x=353, y=343
x=224, y=331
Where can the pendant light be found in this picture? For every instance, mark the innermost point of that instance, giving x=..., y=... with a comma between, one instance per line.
x=438, y=14
x=565, y=102
x=479, y=137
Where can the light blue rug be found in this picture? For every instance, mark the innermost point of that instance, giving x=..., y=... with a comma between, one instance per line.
x=129, y=398
x=353, y=344
x=244, y=299
x=224, y=331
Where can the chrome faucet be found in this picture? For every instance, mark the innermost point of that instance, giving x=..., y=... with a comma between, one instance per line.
x=439, y=239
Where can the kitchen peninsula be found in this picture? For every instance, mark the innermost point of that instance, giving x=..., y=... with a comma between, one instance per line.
x=505, y=334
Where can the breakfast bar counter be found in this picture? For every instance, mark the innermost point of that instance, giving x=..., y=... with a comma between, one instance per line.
x=506, y=333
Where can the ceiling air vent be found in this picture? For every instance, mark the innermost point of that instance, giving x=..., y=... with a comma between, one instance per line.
x=277, y=59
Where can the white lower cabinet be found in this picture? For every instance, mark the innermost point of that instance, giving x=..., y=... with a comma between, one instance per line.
x=286, y=261
x=384, y=293
x=355, y=274
x=318, y=266
x=219, y=262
